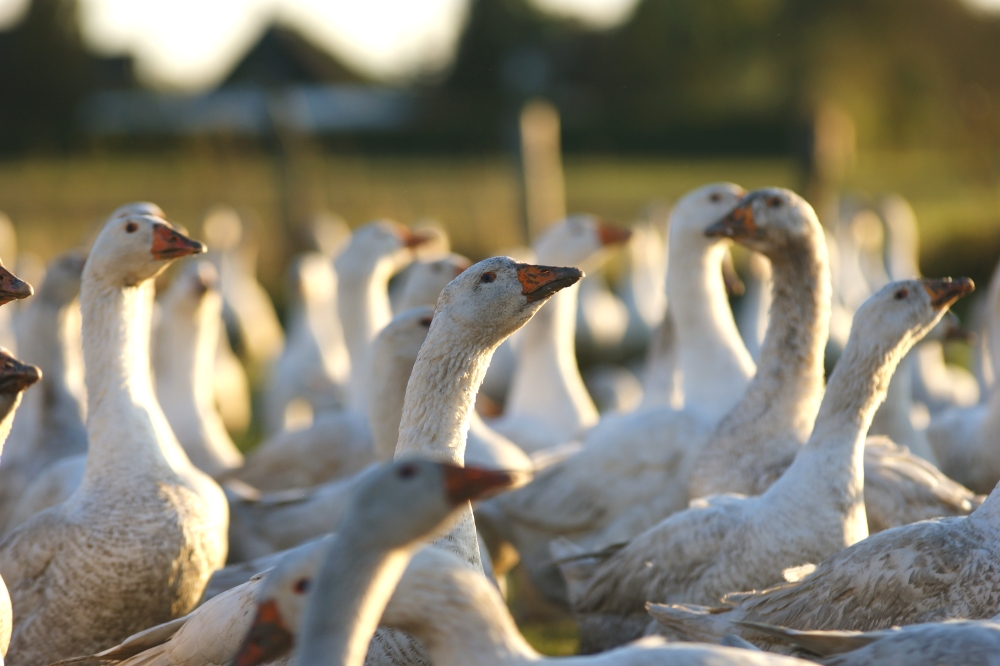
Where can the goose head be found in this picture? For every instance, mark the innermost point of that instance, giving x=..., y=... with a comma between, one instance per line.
x=12, y=288
x=698, y=209
x=135, y=247
x=62, y=279
x=578, y=239
x=398, y=506
x=138, y=208
x=223, y=228
x=901, y=313
x=770, y=221
x=380, y=246
x=427, y=278
x=15, y=377
x=492, y=299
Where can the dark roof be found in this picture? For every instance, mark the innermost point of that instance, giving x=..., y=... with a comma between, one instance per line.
x=282, y=57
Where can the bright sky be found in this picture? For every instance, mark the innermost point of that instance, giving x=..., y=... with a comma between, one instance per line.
x=191, y=44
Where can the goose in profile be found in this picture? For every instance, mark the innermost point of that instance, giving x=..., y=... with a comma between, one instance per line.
x=185, y=344
x=816, y=508
x=49, y=424
x=159, y=523
x=548, y=403
x=632, y=470
x=15, y=378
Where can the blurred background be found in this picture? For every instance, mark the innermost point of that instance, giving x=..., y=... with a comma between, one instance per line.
x=434, y=108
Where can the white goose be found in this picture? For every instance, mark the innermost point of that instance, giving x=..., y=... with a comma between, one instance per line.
x=140, y=500
x=15, y=377
x=49, y=424
x=548, y=403
x=632, y=470
x=427, y=277
x=185, y=344
x=730, y=542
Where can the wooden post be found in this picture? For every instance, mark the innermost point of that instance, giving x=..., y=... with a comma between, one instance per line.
x=541, y=156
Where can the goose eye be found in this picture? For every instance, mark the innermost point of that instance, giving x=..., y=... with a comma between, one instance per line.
x=131, y=227
x=715, y=197
x=407, y=471
x=488, y=277
x=900, y=294
x=301, y=586
x=774, y=202
x=426, y=321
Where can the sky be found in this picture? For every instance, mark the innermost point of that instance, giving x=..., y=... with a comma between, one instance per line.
x=192, y=44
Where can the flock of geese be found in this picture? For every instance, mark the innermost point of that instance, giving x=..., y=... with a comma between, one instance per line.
x=737, y=505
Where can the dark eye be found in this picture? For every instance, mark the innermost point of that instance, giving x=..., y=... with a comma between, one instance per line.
x=774, y=202
x=426, y=321
x=715, y=198
x=301, y=586
x=407, y=471
x=488, y=277
x=900, y=294
x=131, y=227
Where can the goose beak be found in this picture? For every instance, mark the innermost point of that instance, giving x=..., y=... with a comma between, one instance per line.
x=12, y=288
x=267, y=639
x=610, y=234
x=463, y=484
x=413, y=239
x=168, y=243
x=738, y=224
x=540, y=282
x=945, y=291
x=16, y=376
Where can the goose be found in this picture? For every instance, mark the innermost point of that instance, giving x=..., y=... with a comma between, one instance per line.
x=231, y=387
x=8, y=248
x=752, y=319
x=760, y=438
x=427, y=277
x=140, y=500
x=389, y=515
x=15, y=378
x=602, y=319
x=964, y=439
x=734, y=542
x=184, y=349
x=249, y=311
x=969, y=642
x=49, y=423
x=283, y=520
x=632, y=469
x=548, y=403
x=314, y=365
x=643, y=290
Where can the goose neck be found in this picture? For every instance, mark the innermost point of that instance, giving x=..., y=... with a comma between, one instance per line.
x=350, y=592
x=363, y=304
x=714, y=365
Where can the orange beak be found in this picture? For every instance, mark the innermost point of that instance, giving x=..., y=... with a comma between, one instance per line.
x=610, y=234
x=16, y=376
x=168, y=243
x=945, y=291
x=737, y=225
x=412, y=239
x=12, y=288
x=267, y=639
x=540, y=282
x=463, y=484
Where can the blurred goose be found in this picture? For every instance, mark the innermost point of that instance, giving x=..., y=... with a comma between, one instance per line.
x=8, y=248
x=602, y=319
x=969, y=642
x=548, y=403
x=632, y=470
x=427, y=277
x=752, y=318
x=185, y=344
x=158, y=523
x=249, y=310
x=732, y=542
x=643, y=289
x=15, y=377
x=231, y=387
x=760, y=438
x=49, y=424
x=399, y=505
x=314, y=366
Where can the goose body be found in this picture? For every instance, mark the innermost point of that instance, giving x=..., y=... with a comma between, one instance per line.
x=135, y=503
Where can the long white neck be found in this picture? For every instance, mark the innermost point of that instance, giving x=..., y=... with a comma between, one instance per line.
x=353, y=586
x=712, y=362
x=547, y=382
x=125, y=425
x=389, y=377
x=440, y=397
x=8, y=409
x=363, y=304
